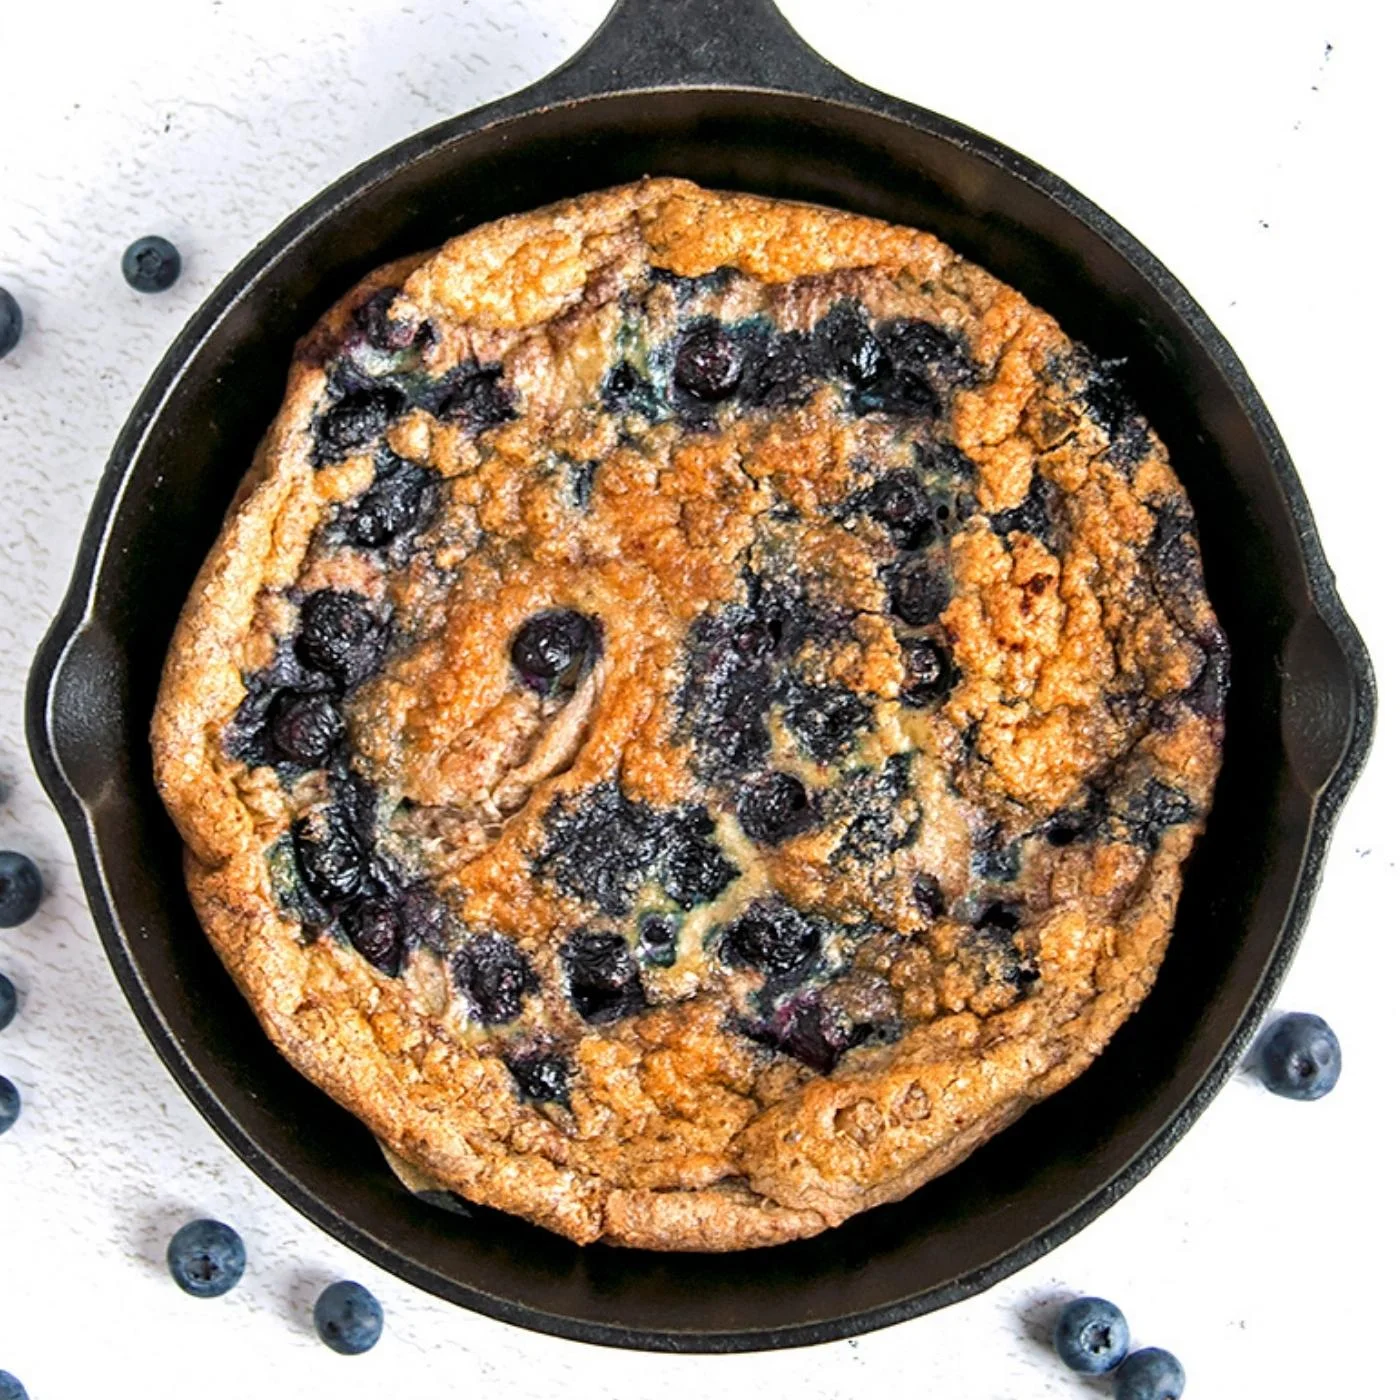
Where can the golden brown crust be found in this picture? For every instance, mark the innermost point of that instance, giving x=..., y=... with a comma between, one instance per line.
x=1082, y=669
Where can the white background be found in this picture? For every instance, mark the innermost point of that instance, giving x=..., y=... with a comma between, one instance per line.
x=1247, y=144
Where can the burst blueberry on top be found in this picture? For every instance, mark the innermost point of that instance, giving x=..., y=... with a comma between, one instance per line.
x=691, y=650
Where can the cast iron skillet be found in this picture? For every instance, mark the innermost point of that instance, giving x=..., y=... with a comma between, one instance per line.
x=725, y=92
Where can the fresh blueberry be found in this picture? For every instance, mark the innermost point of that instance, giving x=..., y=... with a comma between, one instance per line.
x=9, y=1001
x=1091, y=1336
x=151, y=264
x=340, y=636
x=10, y=1388
x=554, y=650
x=918, y=592
x=1299, y=1057
x=601, y=977
x=774, y=807
x=929, y=672
x=375, y=931
x=21, y=888
x=11, y=323
x=330, y=855
x=206, y=1258
x=348, y=1318
x=305, y=728
x=357, y=420
x=10, y=1104
x=494, y=976
x=1150, y=1374
x=708, y=363
x=541, y=1076
x=771, y=936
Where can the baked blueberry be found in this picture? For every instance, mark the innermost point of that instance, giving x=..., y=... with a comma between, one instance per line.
x=375, y=931
x=391, y=508
x=601, y=846
x=11, y=323
x=772, y=937
x=994, y=858
x=1032, y=517
x=919, y=591
x=778, y=372
x=912, y=342
x=10, y=1388
x=656, y=940
x=929, y=671
x=554, y=650
x=151, y=264
x=424, y=918
x=357, y=420
x=541, y=1076
x=340, y=636
x=900, y=503
x=929, y=897
x=9, y=1001
x=1091, y=1336
x=601, y=977
x=473, y=396
x=10, y=1104
x=708, y=362
x=998, y=917
x=21, y=889
x=773, y=807
x=826, y=719
x=348, y=1318
x=493, y=974
x=690, y=867
x=305, y=729
x=813, y=1034
x=1150, y=1374
x=1155, y=808
x=851, y=349
x=206, y=1258
x=626, y=389
x=380, y=330
x=1299, y=1057
x=331, y=855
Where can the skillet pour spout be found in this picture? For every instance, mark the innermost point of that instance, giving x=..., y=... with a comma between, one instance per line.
x=725, y=93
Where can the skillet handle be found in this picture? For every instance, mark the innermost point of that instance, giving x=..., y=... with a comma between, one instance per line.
x=647, y=44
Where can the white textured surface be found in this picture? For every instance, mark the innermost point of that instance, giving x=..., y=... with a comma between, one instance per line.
x=1237, y=140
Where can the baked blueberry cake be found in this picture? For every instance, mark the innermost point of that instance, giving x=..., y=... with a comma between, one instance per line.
x=695, y=718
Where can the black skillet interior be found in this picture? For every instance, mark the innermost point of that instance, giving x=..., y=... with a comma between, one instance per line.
x=723, y=92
